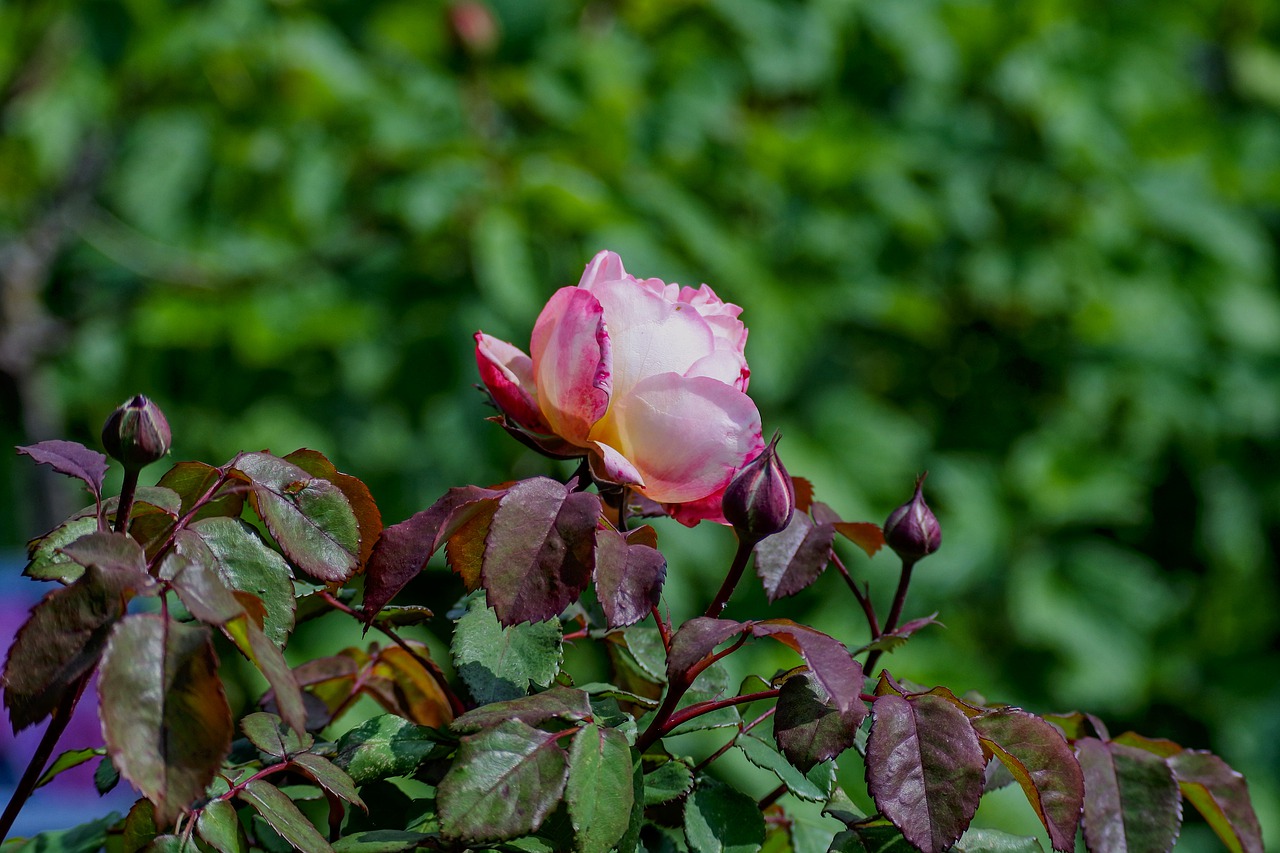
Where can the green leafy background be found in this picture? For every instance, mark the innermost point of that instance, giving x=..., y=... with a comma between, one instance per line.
x=1029, y=247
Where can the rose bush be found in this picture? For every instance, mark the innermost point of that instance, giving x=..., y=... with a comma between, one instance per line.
x=646, y=379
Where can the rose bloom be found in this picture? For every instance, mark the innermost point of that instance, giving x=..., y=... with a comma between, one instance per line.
x=646, y=379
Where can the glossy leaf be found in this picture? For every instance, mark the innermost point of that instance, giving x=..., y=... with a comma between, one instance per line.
x=836, y=670
x=46, y=562
x=599, y=792
x=164, y=714
x=368, y=517
x=629, y=575
x=245, y=563
x=539, y=554
x=789, y=561
x=1221, y=795
x=403, y=549
x=557, y=703
x=310, y=519
x=808, y=728
x=1131, y=798
x=67, y=760
x=329, y=776
x=498, y=663
x=924, y=768
x=62, y=640
x=696, y=639
x=720, y=819
x=384, y=746
x=72, y=459
x=283, y=816
x=105, y=776
x=192, y=482
x=814, y=785
x=503, y=783
x=1039, y=759
x=219, y=827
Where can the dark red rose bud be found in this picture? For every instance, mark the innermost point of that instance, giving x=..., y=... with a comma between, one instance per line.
x=760, y=499
x=136, y=434
x=912, y=530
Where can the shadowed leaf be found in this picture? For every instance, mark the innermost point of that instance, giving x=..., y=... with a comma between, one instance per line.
x=410, y=690
x=828, y=659
x=1131, y=799
x=1221, y=795
x=72, y=459
x=164, y=714
x=599, y=793
x=720, y=819
x=498, y=663
x=380, y=841
x=283, y=816
x=46, y=561
x=924, y=768
x=218, y=826
x=558, y=703
x=789, y=561
x=192, y=482
x=270, y=734
x=664, y=783
x=384, y=746
x=503, y=783
x=814, y=784
x=807, y=726
x=329, y=776
x=629, y=575
x=994, y=841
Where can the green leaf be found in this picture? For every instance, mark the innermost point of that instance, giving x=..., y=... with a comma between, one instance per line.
x=283, y=816
x=600, y=791
x=711, y=684
x=503, y=783
x=67, y=760
x=644, y=642
x=994, y=841
x=47, y=562
x=877, y=836
x=720, y=819
x=667, y=781
x=556, y=703
x=65, y=636
x=384, y=746
x=310, y=519
x=368, y=517
x=139, y=826
x=1221, y=795
x=85, y=838
x=164, y=714
x=105, y=776
x=245, y=563
x=380, y=841
x=1131, y=799
x=498, y=663
x=329, y=776
x=843, y=809
x=218, y=826
x=1038, y=757
x=815, y=786
x=270, y=734
x=193, y=480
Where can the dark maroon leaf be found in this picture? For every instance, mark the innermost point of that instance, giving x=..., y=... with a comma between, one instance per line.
x=368, y=517
x=192, y=482
x=540, y=552
x=164, y=714
x=696, y=639
x=629, y=576
x=837, y=671
x=808, y=728
x=1039, y=759
x=309, y=518
x=789, y=561
x=108, y=551
x=891, y=640
x=503, y=783
x=63, y=639
x=924, y=768
x=1221, y=795
x=1131, y=799
x=558, y=703
x=73, y=459
x=403, y=549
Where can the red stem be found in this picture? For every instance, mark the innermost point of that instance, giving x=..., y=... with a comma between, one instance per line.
x=717, y=605
x=701, y=708
x=863, y=599
x=895, y=612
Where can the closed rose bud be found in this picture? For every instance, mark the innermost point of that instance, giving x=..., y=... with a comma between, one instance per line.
x=136, y=434
x=912, y=530
x=760, y=499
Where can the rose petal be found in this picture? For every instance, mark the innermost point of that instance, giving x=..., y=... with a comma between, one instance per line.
x=703, y=509
x=605, y=266
x=611, y=466
x=572, y=363
x=508, y=374
x=685, y=435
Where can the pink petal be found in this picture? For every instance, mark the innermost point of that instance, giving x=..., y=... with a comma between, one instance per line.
x=508, y=374
x=605, y=266
x=572, y=365
x=685, y=435
x=703, y=509
x=611, y=466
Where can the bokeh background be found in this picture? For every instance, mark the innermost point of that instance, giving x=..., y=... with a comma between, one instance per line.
x=1030, y=247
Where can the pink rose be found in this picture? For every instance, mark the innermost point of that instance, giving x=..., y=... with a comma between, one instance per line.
x=646, y=379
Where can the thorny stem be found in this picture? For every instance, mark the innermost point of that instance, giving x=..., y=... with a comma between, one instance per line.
x=717, y=605
x=429, y=665
x=664, y=630
x=863, y=599
x=35, y=767
x=701, y=708
x=895, y=612
x=125, y=504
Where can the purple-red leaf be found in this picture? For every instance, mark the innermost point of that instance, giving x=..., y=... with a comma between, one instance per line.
x=1131, y=798
x=924, y=768
x=403, y=549
x=1039, y=759
x=540, y=551
x=828, y=659
x=629, y=575
x=696, y=639
x=789, y=561
x=1221, y=795
x=63, y=639
x=107, y=551
x=368, y=517
x=73, y=459
x=164, y=714
x=807, y=727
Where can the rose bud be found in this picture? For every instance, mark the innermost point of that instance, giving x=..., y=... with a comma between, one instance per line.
x=760, y=499
x=912, y=530
x=136, y=434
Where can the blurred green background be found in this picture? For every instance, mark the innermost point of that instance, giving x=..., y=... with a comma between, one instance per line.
x=1027, y=246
